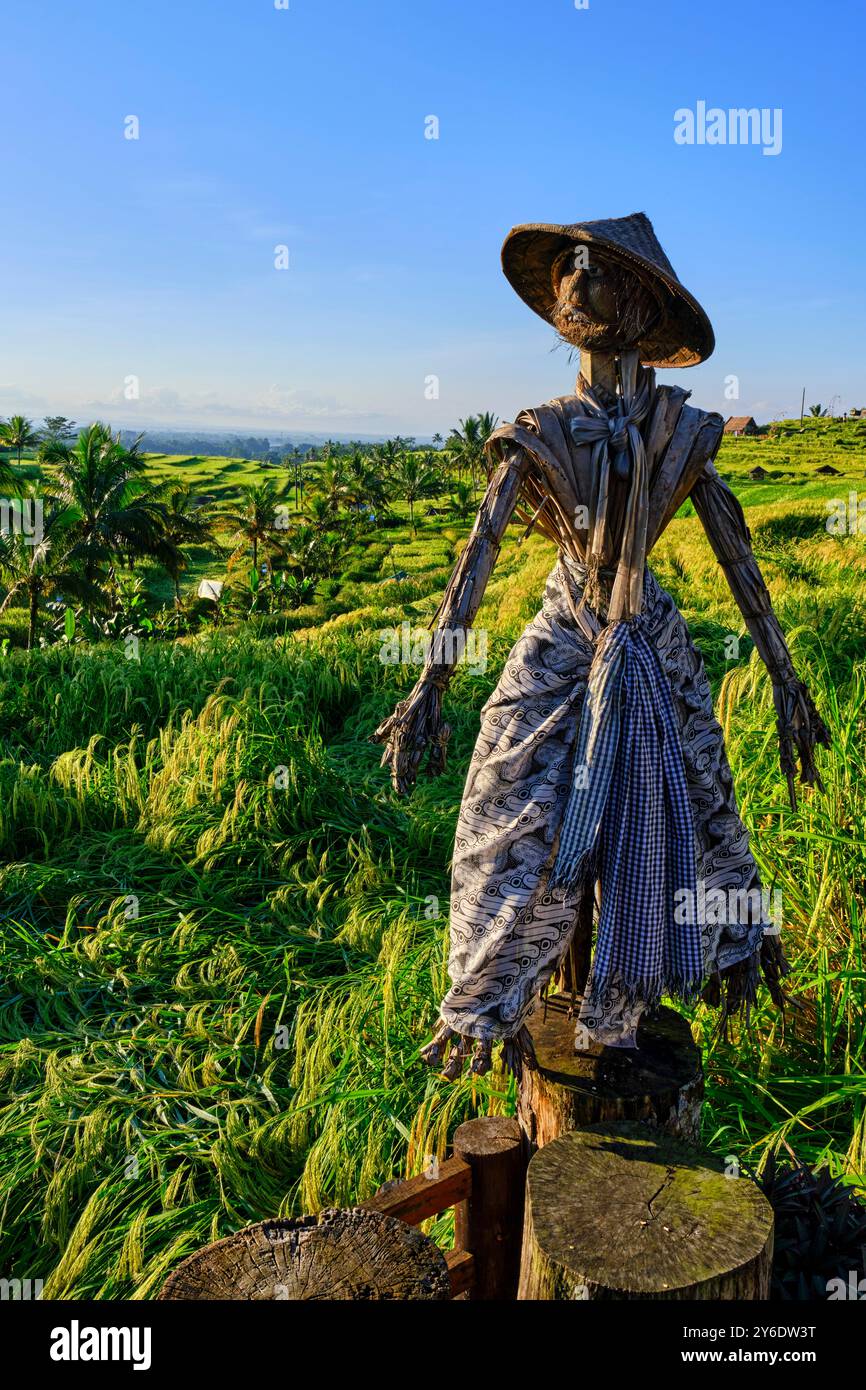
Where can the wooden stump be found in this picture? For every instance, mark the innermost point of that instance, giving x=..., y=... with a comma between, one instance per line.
x=345, y=1255
x=625, y=1212
x=489, y=1223
x=660, y=1082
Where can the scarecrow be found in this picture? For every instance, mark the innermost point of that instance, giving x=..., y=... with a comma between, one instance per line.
x=600, y=773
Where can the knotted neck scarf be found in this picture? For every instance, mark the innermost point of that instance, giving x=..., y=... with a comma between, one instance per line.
x=628, y=819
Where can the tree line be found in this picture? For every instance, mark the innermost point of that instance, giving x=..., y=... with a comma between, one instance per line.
x=100, y=515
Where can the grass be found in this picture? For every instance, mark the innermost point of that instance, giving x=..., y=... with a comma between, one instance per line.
x=224, y=938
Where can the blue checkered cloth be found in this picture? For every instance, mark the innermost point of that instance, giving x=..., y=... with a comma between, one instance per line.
x=628, y=821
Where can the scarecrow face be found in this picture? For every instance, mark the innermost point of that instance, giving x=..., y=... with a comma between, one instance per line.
x=600, y=306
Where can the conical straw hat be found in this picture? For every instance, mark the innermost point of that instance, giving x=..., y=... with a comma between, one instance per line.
x=683, y=335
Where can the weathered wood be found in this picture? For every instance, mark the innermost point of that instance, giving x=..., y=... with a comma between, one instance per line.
x=339, y=1255
x=416, y=723
x=490, y=1222
x=461, y=1272
x=674, y=474
x=800, y=727
x=599, y=369
x=660, y=1082
x=418, y=1198
x=574, y=971
x=623, y=1212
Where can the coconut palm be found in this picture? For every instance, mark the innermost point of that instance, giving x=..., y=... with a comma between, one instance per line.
x=461, y=503
x=332, y=484
x=465, y=446
x=413, y=479
x=364, y=484
x=44, y=566
x=116, y=512
x=185, y=521
x=258, y=521
x=18, y=433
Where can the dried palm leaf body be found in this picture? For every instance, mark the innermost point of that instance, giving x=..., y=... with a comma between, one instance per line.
x=599, y=759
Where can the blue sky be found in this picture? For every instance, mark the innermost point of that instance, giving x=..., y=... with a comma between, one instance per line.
x=154, y=258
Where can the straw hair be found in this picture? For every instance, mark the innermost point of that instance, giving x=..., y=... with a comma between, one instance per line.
x=681, y=337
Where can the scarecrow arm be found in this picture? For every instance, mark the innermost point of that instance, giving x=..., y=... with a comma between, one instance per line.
x=798, y=722
x=417, y=720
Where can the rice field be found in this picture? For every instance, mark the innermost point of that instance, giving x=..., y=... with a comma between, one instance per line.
x=224, y=939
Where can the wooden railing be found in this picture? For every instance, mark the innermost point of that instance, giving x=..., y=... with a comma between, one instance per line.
x=484, y=1182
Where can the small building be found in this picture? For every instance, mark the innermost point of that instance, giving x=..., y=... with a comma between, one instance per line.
x=758, y=472
x=828, y=471
x=741, y=424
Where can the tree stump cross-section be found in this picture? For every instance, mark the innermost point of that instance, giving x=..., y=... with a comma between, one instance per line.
x=626, y=1212
x=660, y=1082
x=337, y=1255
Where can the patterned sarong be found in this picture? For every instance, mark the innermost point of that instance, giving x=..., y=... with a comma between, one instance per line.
x=510, y=927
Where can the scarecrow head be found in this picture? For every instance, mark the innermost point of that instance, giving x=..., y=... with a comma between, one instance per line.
x=608, y=287
x=601, y=305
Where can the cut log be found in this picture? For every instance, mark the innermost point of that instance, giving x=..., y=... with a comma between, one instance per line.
x=623, y=1212
x=490, y=1222
x=660, y=1082
x=341, y=1255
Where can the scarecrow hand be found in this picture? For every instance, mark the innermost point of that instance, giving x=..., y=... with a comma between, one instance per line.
x=478, y=1054
x=801, y=729
x=415, y=725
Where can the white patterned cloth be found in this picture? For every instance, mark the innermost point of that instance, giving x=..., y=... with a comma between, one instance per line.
x=509, y=928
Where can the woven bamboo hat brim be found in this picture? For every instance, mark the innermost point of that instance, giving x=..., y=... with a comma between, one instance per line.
x=683, y=335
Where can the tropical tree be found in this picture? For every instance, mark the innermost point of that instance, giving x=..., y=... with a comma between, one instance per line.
x=258, y=521
x=331, y=483
x=185, y=521
x=18, y=433
x=413, y=479
x=466, y=444
x=364, y=484
x=461, y=503
x=464, y=448
x=816, y=411
x=116, y=512
x=44, y=566
x=58, y=429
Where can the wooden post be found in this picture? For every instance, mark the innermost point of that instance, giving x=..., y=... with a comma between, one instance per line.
x=489, y=1223
x=352, y=1255
x=599, y=369
x=660, y=1082
x=622, y=1212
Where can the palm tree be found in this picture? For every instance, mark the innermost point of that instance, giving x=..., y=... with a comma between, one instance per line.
x=18, y=433
x=184, y=522
x=364, y=485
x=413, y=478
x=45, y=567
x=100, y=480
x=332, y=484
x=466, y=444
x=257, y=520
x=461, y=503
